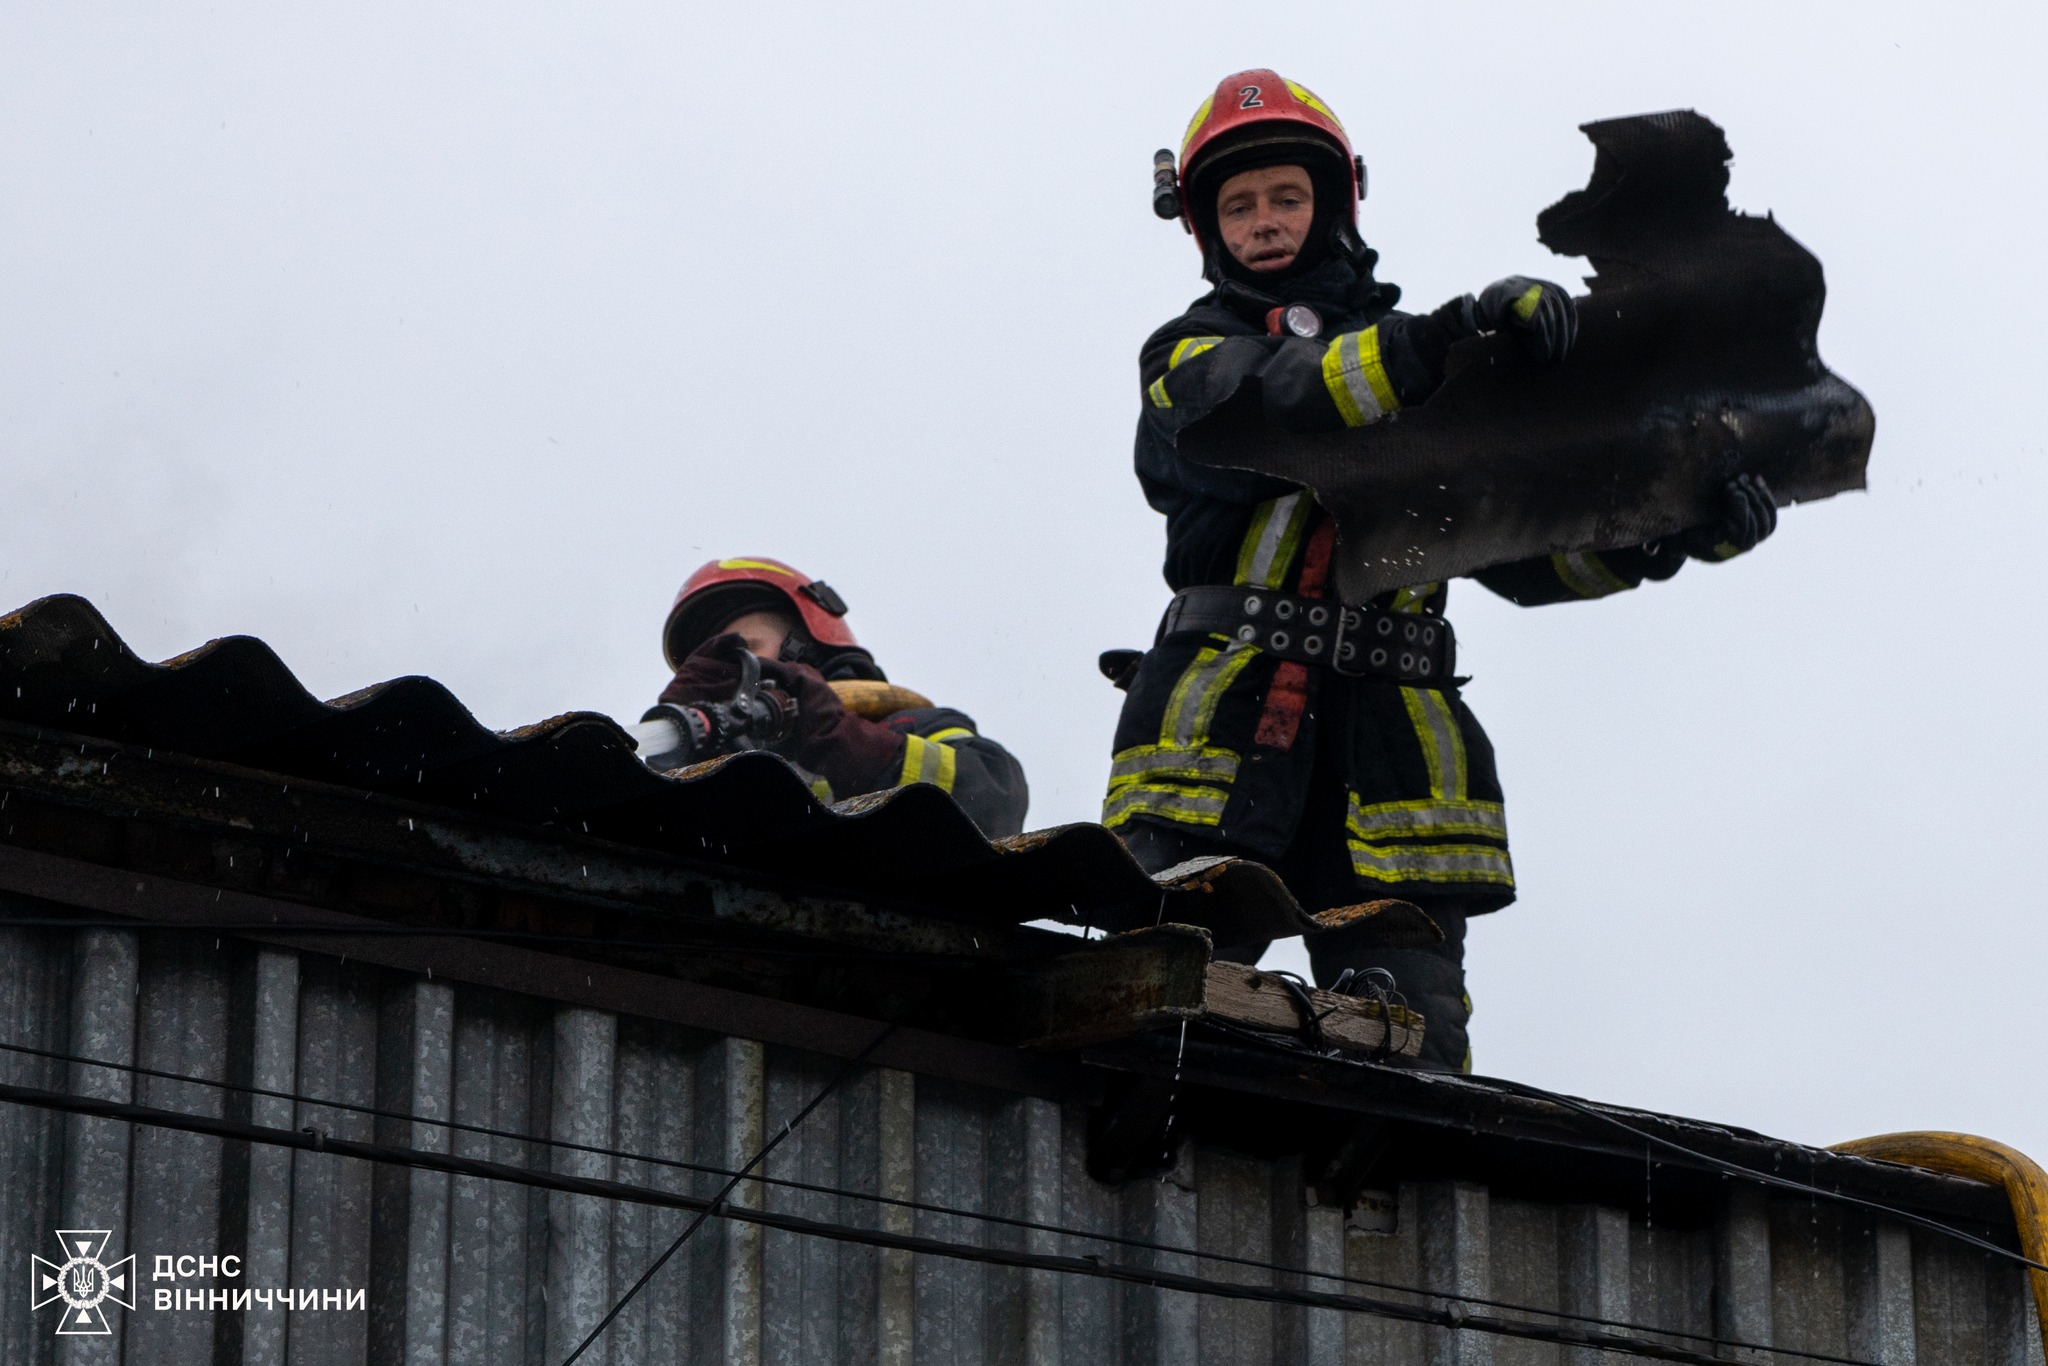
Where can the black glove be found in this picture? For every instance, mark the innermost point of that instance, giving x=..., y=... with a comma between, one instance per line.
x=1748, y=514
x=1541, y=313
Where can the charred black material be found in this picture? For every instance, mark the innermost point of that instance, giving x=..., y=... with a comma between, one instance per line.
x=1695, y=361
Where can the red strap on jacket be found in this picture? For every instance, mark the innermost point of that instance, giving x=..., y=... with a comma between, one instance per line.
x=1287, y=695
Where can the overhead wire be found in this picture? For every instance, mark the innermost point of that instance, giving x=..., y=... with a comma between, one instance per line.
x=915, y=1206
x=1453, y=1316
x=1720, y=1164
x=1257, y=1037
x=789, y=1127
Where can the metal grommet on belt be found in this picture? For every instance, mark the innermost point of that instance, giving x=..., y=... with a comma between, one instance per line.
x=1355, y=641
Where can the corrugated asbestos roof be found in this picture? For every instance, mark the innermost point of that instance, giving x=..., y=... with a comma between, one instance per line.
x=234, y=701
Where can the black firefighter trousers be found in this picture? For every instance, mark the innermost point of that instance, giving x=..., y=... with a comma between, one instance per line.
x=1316, y=866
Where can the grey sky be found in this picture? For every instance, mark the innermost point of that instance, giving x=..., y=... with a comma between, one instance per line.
x=447, y=338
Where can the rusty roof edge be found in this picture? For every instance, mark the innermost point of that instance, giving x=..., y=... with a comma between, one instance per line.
x=233, y=700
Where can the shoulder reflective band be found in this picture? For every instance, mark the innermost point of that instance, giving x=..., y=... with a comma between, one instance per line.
x=1184, y=350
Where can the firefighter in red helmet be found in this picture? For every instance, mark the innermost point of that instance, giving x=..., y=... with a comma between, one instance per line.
x=763, y=659
x=1360, y=784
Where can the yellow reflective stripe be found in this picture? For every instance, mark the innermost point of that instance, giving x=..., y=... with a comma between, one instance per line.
x=1432, y=863
x=1302, y=93
x=1443, y=744
x=1413, y=599
x=772, y=568
x=1149, y=763
x=1426, y=817
x=822, y=790
x=1192, y=705
x=1272, y=540
x=1201, y=117
x=1187, y=805
x=1525, y=307
x=950, y=733
x=926, y=761
x=1586, y=574
x=1356, y=377
x=1186, y=349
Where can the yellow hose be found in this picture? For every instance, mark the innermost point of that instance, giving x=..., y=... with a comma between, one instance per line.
x=872, y=699
x=1979, y=1159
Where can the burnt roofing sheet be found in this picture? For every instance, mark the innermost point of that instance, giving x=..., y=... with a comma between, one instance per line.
x=233, y=700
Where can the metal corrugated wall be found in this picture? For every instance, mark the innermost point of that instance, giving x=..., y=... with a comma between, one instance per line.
x=462, y=1270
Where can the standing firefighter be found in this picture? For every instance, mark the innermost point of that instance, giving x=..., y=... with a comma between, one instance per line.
x=763, y=659
x=1364, y=776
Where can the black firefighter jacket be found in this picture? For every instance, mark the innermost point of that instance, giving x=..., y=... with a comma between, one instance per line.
x=1217, y=738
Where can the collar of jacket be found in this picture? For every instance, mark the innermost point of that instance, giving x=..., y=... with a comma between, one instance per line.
x=1341, y=288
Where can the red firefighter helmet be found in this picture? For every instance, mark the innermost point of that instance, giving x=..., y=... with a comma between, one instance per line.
x=724, y=589
x=1260, y=118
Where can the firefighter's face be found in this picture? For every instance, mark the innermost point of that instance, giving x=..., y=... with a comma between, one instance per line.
x=763, y=632
x=1264, y=215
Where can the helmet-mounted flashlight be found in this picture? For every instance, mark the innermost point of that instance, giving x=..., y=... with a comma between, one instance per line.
x=1165, y=193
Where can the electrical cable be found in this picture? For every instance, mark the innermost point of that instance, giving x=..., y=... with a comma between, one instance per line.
x=1452, y=1317
x=1720, y=1164
x=718, y=1201
x=840, y=1192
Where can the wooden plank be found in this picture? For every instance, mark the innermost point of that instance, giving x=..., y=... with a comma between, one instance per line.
x=1244, y=995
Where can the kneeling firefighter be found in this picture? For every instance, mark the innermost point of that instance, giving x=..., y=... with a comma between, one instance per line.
x=763, y=659
x=1365, y=777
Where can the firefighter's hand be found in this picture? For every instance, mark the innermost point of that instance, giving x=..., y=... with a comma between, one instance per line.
x=1748, y=514
x=1537, y=311
x=709, y=675
x=851, y=753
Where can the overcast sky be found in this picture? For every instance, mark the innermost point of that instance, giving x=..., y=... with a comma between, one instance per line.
x=446, y=339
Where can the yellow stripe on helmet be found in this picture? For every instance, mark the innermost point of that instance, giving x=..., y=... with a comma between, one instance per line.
x=1195, y=126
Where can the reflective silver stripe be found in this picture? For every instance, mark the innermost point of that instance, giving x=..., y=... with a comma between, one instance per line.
x=1190, y=806
x=1266, y=566
x=1443, y=746
x=927, y=761
x=1148, y=761
x=1194, y=698
x=1401, y=820
x=1586, y=574
x=1351, y=366
x=1432, y=863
